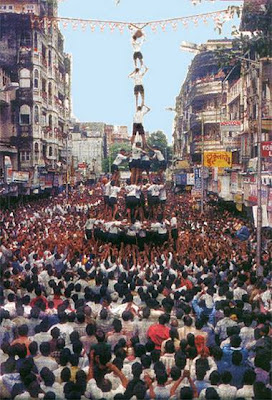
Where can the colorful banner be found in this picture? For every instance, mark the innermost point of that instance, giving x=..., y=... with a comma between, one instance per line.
x=198, y=180
x=266, y=149
x=218, y=18
x=221, y=159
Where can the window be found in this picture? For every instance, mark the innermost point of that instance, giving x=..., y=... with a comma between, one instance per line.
x=35, y=41
x=36, y=79
x=49, y=58
x=25, y=39
x=24, y=78
x=36, y=115
x=50, y=153
x=24, y=115
x=25, y=155
x=36, y=147
x=50, y=120
x=50, y=89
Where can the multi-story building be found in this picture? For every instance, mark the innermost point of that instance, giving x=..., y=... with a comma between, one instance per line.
x=8, y=153
x=33, y=54
x=88, y=139
x=198, y=106
x=217, y=110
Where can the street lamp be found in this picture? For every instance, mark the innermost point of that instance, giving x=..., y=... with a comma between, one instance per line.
x=10, y=86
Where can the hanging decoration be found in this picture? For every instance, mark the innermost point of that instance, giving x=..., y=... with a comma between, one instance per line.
x=219, y=18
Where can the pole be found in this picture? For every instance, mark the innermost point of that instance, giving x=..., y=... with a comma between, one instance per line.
x=259, y=173
x=66, y=187
x=202, y=164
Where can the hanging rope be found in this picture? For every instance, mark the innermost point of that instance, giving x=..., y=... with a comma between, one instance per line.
x=219, y=18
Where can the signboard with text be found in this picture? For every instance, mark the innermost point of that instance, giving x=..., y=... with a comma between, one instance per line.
x=231, y=126
x=221, y=159
x=20, y=176
x=266, y=149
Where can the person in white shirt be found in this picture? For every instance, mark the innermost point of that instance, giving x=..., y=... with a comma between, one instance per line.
x=137, y=75
x=133, y=193
x=137, y=41
x=136, y=165
x=121, y=156
x=106, y=190
x=138, y=123
x=114, y=190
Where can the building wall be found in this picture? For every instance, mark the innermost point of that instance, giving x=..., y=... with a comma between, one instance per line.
x=34, y=55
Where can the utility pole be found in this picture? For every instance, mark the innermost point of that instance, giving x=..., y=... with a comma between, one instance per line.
x=202, y=163
x=259, y=172
x=67, y=169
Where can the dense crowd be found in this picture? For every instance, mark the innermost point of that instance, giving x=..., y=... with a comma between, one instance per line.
x=123, y=299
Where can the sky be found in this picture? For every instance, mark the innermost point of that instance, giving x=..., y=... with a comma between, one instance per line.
x=102, y=61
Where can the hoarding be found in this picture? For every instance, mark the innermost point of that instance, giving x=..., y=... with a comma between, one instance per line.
x=221, y=159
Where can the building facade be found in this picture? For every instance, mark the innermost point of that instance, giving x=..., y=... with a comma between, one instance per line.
x=217, y=111
x=32, y=53
x=88, y=141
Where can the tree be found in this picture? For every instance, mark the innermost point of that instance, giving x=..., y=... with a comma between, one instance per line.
x=158, y=139
x=113, y=151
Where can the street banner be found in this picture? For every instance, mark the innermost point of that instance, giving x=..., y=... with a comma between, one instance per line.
x=198, y=180
x=266, y=149
x=20, y=176
x=190, y=179
x=221, y=159
x=269, y=202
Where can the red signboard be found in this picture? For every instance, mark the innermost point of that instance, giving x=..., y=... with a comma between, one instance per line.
x=266, y=149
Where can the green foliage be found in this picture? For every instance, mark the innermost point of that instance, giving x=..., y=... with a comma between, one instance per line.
x=114, y=150
x=158, y=139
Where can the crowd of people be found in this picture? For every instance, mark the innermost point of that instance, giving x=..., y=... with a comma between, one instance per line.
x=85, y=314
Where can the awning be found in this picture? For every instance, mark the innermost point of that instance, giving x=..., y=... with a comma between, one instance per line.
x=8, y=149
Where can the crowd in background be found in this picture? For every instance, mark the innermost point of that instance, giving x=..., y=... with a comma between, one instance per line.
x=90, y=316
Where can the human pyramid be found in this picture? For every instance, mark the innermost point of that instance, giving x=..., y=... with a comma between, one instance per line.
x=135, y=211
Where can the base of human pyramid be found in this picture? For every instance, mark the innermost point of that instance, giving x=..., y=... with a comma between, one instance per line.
x=134, y=211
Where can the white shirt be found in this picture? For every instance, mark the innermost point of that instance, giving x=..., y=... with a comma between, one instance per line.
x=119, y=158
x=162, y=230
x=137, y=44
x=162, y=193
x=93, y=391
x=154, y=190
x=227, y=392
x=139, y=115
x=107, y=189
x=246, y=392
x=136, y=152
x=138, y=78
x=132, y=190
x=174, y=222
x=114, y=190
x=158, y=155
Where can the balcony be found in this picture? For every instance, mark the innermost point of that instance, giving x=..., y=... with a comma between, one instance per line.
x=209, y=145
x=208, y=116
x=205, y=88
x=4, y=99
